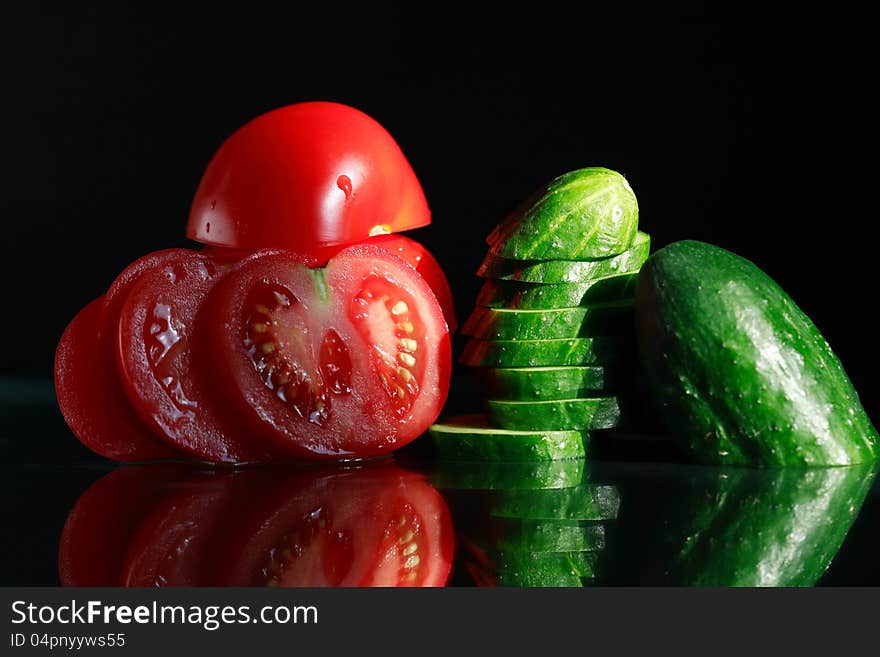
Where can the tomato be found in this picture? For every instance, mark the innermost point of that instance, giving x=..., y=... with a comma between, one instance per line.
x=374, y=527
x=103, y=521
x=349, y=361
x=305, y=176
x=161, y=368
x=407, y=249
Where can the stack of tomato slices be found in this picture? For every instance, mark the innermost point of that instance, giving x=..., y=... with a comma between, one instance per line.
x=298, y=331
x=170, y=525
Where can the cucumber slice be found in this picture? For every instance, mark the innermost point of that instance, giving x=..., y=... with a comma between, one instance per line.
x=546, y=353
x=588, y=213
x=491, y=475
x=542, y=576
x=544, y=383
x=589, y=321
x=567, y=271
x=468, y=438
x=514, y=535
x=558, y=415
x=585, y=502
x=540, y=296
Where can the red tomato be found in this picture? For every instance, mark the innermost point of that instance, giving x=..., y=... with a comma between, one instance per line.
x=348, y=361
x=158, y=358
x=305, y=176
x=375, y=527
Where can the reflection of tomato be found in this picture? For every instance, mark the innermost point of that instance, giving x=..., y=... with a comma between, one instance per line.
x=305, y=176
x=348, y=361
x=167, y=525
x=157, y=343
x=374, y=527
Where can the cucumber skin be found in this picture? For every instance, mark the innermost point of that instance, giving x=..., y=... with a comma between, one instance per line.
x=533, y=384
x=600, y=350
x=777, y=527
x=483, y=443
x=590, y=321
x=540, y=296
x=506, y=476
x=516, y=535
x=587, y=213
x=567, y=271
x=571, y=414
x=739, y=373
x=585, y=502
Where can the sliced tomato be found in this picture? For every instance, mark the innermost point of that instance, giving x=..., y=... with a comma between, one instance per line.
x=382, y=526
x=161, y=371
x=348, y=361
x=104, y=520
x=305, y=176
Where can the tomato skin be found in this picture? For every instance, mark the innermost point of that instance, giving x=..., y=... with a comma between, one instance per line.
x=304, y=176
x=162, y=374
x=361, y=421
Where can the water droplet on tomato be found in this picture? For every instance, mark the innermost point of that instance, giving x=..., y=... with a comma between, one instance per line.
x=343, y=182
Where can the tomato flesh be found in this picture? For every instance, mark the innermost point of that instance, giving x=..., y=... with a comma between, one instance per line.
x=306, y=176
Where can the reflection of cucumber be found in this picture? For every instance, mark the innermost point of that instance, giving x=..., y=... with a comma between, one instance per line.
x=571, y=414
x=584, y=502
x=468, y=438
x=538, y=296
x=516, y=535
x=588, y=213
x=545, y=353
x=495, y=475
x=544, y=576
x=538, y=383
x=615, y=318
x=567, y=271
x=769, y=527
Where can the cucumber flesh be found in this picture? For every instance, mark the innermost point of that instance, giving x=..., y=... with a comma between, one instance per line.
x=614, y=318
x=557, y=415
x=546, y=353
x=540, y=296
x=543, y=383
x=567, y=271
x=584, y=502
x=468, y=438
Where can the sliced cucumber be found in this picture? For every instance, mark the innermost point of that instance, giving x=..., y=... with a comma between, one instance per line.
x=514, y=535
x=588, y=213
x=544, y=383
x=588, y=321
x=541, y=296
x=567, y=271
x=503, y=475
x=584, y=502
x=546, y=353
x=558, y=415
x=468, y=438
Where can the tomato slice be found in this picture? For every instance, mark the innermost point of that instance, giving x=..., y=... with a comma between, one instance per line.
x=90, y=397
x=305, y=176
x=382, y=526
x=348, y=361
x=103, y=521
x=162, y=373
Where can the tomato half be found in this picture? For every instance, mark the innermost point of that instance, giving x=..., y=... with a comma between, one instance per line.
x=305, y=176
x=375, y=527
x=162, y=373
x=348, y=361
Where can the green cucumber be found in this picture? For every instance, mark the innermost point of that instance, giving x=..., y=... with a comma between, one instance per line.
x=545, y=353
x=740, y=372
x=504, y=475
x=542, y=383
x=588, y=213
x=588, y=321
x=515, y=535
x=556, y=574
x=468, y=438
x=540, y=296
x=564, y=414
x=775, y=527
x=584, y=502
x=567, y=271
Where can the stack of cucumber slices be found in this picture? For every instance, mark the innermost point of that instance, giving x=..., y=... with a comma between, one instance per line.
x=547, y=522
x=551, y=338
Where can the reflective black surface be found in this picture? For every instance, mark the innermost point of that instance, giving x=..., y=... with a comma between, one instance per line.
x=414, y=521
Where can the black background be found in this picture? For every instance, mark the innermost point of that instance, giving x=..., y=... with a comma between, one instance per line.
x=755, y=133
